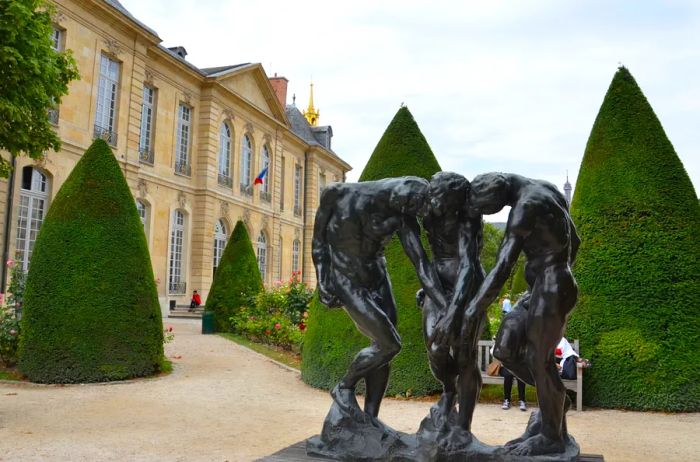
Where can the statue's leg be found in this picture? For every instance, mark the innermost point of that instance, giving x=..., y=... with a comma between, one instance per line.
x=441, y=363
x=469, y=373
x=366, y=308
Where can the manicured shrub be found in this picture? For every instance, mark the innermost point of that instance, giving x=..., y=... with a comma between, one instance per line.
x=637, y=213
x=332, y=340
x=91, y=310
x=237, y=278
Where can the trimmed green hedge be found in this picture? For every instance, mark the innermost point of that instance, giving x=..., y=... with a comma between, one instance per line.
x=91, y=309
x=638, y=216
x=331, y=339
x=237, y=278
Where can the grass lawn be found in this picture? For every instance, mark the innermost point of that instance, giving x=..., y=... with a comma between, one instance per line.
x=10, y=373
x=489, y=393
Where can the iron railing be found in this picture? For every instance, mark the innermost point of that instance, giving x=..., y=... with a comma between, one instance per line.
x=246, y=189
x=297, y=211
x=265, y=196
x=53, y=115
x=146, y=156
x=183, y=168
x=106, y=134
x=225, y=180
x=177, y=288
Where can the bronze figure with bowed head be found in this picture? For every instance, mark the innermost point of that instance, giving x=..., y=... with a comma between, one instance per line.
x=354, y=223
x=455, y=237
x=540, y=226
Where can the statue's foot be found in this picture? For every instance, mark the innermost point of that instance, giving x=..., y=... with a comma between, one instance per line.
x=440, y=411
x=345, y=399
x=537, y=445
x=534, y=424
x=456, y=439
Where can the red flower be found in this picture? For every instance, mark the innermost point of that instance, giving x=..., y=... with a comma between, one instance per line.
x=302, y=326
x=268, y=331
x=170, y=329
x=278, y=326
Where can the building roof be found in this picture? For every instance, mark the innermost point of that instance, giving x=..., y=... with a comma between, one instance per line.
x=118, y=6
x=217, y=71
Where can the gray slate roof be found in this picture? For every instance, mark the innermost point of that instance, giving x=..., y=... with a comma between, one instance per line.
x=214, y=71
x=118, y=6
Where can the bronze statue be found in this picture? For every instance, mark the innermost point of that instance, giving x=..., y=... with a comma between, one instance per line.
x=540, y=226
x=455, y=240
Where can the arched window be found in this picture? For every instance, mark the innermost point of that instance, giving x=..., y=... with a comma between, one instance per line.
x=296, y=245
x=262, y=254
x=220, y=236
x=246, y=161
x=225, y=155
x=266, y=165
x=32, y=207
x=177, y=249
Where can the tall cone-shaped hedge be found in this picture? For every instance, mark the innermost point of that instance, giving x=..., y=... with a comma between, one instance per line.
x=638, y=316
x=331, y=339
x=236, y=278
x=91, y=309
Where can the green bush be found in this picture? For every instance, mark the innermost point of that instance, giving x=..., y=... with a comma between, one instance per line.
x=332, y=340
x=91, y=310
x=10, y=332
x=237, y=278
x=638, y=217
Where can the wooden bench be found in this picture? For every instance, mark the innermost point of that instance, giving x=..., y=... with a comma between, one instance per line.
x=484, y=358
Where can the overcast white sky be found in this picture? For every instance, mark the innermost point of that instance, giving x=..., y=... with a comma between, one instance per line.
x=509, y=86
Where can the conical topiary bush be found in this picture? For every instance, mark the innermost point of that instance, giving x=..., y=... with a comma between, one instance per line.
x=91, y=309
x=638, y=216
x=237, y=277
x=331, y=339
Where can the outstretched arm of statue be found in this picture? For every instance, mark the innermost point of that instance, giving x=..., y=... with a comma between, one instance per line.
x=468, y=266
x=320, y=250
x=409, y=234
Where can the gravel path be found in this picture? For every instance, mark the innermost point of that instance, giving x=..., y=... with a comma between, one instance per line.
x=224, y=402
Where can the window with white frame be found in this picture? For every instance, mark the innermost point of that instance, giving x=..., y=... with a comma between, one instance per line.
x=297, y=189
x=282, y=178
x=220, y=237
x=266, y=165
x=262, y=254
x=32, y=207
x=143, y=214
x=56, y=38
x=182, y=143
x=296, y=245
x=177, y=247
x=107, y=91
x=148, y=113
x=225, y=155
x=246, y=161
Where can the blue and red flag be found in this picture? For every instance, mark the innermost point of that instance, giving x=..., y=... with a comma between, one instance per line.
x=259, y=178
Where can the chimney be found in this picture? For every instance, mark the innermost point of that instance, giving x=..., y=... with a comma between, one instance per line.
x=180, y=51
x=279, y=85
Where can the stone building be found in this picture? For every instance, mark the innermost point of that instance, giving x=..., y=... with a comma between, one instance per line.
x=190, y=142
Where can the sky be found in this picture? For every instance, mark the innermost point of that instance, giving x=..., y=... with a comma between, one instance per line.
x=511, y=86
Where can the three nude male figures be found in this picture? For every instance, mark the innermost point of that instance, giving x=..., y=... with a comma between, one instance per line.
x=353, y=225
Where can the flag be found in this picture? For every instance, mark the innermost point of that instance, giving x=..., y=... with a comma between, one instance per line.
x=259, y=178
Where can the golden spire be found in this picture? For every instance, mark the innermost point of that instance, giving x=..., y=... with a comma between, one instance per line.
x=311, y=113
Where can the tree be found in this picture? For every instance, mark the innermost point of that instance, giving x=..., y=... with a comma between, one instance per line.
x=33, y=78
x=91, y=310
x=637, y=269
x=237, y=278
x=331, y=339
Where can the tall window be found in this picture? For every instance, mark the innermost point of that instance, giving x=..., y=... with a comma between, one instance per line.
x=295, y=255
x=279, y=259
x=282, y=173
x=268, y=177
x=177, y=242
x=321, y=183
x=246, y=161
x=141, y=208
x=56, y=38
x=297, y=190
x=225, y=155
x=32, y=206
x=106, y=114
x=262, y=254
x=147, y=119
x=220, y=236
x=182, y=143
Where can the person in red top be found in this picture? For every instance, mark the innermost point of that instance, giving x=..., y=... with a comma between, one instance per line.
x=196, y=301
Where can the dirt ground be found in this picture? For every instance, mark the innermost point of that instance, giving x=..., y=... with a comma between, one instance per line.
x=224, y=402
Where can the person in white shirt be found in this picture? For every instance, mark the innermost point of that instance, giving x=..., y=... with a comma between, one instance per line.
x=506, y=306
x=566, y=359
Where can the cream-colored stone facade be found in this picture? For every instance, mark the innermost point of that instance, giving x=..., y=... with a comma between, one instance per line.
x=241, y=97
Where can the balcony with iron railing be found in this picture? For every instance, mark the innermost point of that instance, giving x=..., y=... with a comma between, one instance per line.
x=265, y=196
x=146, y=156
x=297, y=210
x=53, y=115
x=225, y=180
x=106, y=134
x=246, y=189
x=177, y=288
x=183, y=168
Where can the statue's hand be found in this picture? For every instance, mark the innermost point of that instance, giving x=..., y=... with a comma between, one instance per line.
x=328, y=299
x=442, y=330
